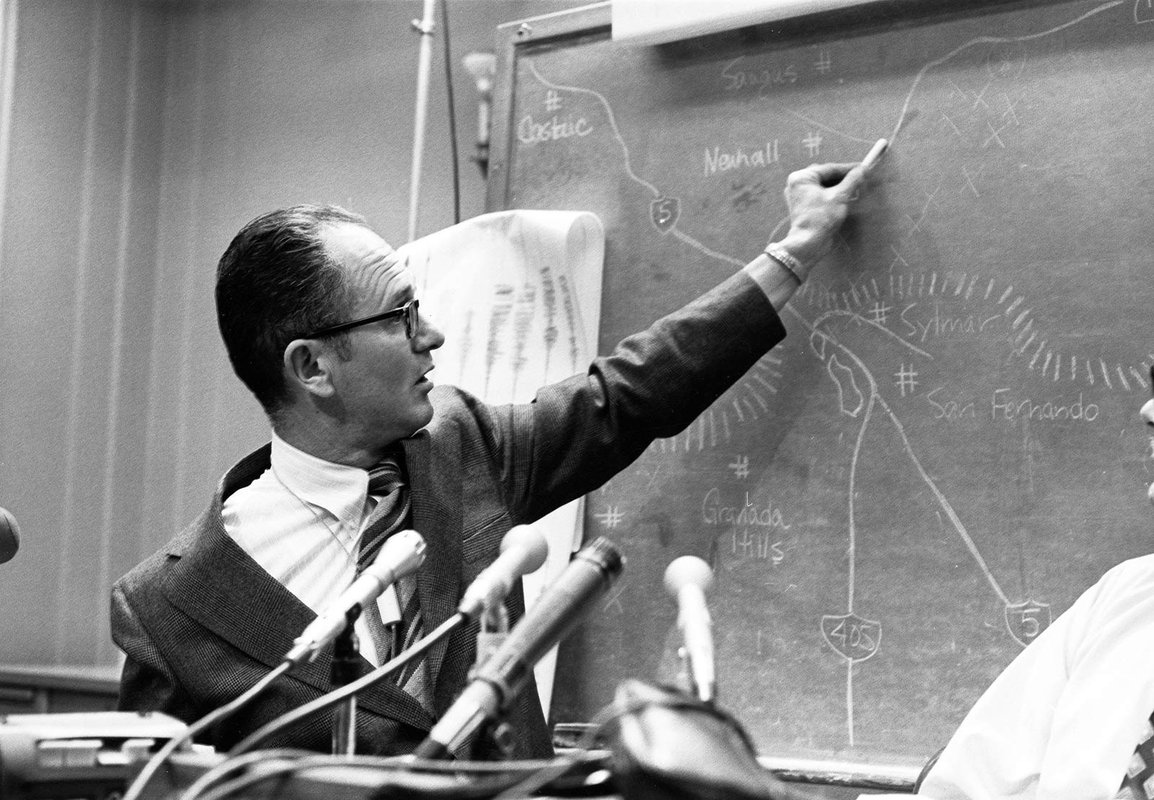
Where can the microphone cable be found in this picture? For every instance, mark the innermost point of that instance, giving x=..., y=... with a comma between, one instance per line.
x=528, y=550
x=265, y=771
x=142, y=778
x=551, y=772
x=337, y=695
x=392, y=776
x=217, y=773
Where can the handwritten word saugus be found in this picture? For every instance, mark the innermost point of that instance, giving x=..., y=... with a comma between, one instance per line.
x=735, y=77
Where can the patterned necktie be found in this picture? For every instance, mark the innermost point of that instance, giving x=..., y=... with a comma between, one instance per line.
x=388, y=517
x=1139, y=778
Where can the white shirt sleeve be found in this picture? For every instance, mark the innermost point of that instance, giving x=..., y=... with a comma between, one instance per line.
x=1062, y=720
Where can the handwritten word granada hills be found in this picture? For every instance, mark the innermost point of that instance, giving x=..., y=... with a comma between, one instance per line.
x=713, y=512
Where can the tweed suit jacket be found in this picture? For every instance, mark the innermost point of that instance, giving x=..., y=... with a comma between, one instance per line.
x=200, y=621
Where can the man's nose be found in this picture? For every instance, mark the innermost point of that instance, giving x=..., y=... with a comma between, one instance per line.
x=429, y=336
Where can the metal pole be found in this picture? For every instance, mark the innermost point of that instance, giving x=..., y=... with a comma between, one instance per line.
x=425, y=27
x=345, y=669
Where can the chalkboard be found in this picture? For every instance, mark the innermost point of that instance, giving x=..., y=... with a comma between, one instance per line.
x=945, y=451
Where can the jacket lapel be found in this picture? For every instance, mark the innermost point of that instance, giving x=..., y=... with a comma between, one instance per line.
x=436, y=514
x=226, y=591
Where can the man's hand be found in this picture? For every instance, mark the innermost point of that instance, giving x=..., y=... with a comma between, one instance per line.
x=819, y=197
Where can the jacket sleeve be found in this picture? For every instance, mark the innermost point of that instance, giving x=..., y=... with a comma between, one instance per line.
x=146, y=681
x=580, y=432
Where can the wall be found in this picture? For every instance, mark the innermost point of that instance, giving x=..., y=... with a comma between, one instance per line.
x=140, y=135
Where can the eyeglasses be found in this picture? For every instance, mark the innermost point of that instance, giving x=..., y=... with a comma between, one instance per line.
x=408, y=311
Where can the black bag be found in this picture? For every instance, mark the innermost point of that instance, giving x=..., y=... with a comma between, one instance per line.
x=670, y=746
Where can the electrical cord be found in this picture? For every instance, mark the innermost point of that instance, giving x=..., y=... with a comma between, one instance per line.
x=145, y=775
x=337, y=695
x=217, y=773
x=551, y=772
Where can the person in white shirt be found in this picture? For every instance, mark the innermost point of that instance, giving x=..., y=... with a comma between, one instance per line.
x=1064, y=719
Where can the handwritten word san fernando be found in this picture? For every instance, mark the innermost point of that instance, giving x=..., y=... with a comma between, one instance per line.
x=1005, y=405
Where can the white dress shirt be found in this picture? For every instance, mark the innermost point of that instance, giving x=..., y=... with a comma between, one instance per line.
x=1063, y=719
x=302, y=521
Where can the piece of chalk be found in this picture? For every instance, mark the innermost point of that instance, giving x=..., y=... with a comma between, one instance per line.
x=874, y=155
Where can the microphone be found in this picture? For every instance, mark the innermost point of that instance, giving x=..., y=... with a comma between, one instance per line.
x=523, y=550
x=688, y=578
x=9, y=535
x=401, y=554
x=496, y=682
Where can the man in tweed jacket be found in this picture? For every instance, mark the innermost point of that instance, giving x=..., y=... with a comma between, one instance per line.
x=213, y=611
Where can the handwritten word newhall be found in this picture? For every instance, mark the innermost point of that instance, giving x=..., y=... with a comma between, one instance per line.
x=718, y=160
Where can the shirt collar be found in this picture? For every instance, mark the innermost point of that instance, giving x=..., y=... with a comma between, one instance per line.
x=337, y=488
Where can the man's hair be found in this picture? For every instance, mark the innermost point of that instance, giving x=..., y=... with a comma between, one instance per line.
x=276, y=282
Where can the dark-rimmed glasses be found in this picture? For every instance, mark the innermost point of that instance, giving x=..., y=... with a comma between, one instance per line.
x=408, y=311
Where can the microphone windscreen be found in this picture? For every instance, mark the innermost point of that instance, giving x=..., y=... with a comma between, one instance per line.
x=688, y=571
x=9, y=535
x=531, y=545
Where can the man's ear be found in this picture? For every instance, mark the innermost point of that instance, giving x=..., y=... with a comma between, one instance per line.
x=307, y=366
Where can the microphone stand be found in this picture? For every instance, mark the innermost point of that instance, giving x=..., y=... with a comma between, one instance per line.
x=493, y=733
x=345, y=669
